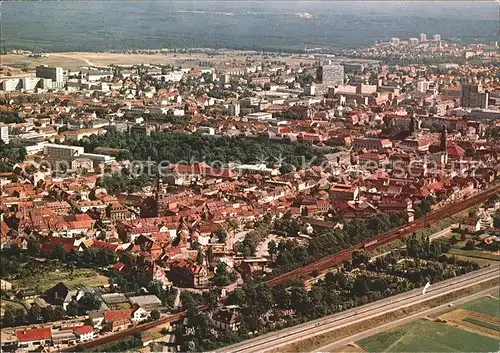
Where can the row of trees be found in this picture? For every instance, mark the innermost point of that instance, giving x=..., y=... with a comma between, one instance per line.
x=291, y=254
x=19, y=316
x=265, y=308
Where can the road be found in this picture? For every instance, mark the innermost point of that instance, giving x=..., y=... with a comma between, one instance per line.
x=327, y=262
x=397, y=323
x=361, y=313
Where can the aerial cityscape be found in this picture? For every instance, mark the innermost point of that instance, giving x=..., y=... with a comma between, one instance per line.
x=253, y=176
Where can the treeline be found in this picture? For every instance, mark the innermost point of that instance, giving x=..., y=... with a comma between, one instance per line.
x=291, y=254
x=174, y=147
x=265, y=308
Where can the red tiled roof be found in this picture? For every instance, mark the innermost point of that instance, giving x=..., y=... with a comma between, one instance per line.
x=82, y=330
x=104, y=245
x=118, y=315
x=35, y=334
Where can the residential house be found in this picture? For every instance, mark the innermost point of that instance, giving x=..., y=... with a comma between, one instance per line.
x=62, y=294
x=4, y=285
x=84, y=333
x=119, y=319
x=226, y=318
x=471, y=225
x=32, y=338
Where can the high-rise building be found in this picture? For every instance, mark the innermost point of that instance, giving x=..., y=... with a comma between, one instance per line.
x=473, y=96
x=436, y=37
x=30, y=83
x=331, y=75
x=413, y=41
x=422, y=86
x=395, y=41
x=234, y=109
x=423, y=37
x=4, y=133
x=56, y=74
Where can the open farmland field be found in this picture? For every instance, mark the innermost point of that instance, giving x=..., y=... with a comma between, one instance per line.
x=488, y=306
x=429, y=336
x=73, y=60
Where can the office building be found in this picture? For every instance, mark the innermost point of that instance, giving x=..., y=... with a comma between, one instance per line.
x=56, y=74
x=30, y=83
x=62, y=151
x=423, y=37
x=473, y=96
x=331, y=75
x=12, y=84
x=234, y=109
x=4, y=133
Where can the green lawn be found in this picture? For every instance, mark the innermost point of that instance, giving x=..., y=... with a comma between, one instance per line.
x=478, y=254
x=4, y=304
x=48, y=279
x=481, y=323
x=428, y=336
x=487, y=305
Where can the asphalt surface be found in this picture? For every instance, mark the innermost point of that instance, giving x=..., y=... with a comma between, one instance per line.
x=300, y=332
x=397, y=323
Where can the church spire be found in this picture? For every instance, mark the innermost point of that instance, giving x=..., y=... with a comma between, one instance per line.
x=444, y=135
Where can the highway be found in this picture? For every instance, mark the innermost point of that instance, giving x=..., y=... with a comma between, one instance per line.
x=397, y=323
x=300, y=332
x=325, y=263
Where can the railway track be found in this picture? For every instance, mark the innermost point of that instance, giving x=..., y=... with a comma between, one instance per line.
x=387, y=237
x=320, y=265
x=366, y=311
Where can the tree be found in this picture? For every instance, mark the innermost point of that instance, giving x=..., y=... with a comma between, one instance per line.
x=360, y=257
x=35, y=313
x=496, y=220
x=33, y=247
x=360, y=287
x=90, y=301
x=221, y=236
x=442, y=145
x=58, y=252
x=470, y=245
x=155, y=315
x=272, y=248
x=199, y=257
x=222, y=276
x=210, y=255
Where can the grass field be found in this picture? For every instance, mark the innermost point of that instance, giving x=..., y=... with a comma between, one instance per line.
x=488, y=306
x=73, y=60
x=481, y=323
x=428, y=336
x=4, y=304
x=477, y=254
x=48, y=279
